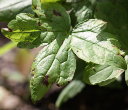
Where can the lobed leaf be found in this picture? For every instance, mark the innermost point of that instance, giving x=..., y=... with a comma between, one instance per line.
x=88, y=44
x=55, y=63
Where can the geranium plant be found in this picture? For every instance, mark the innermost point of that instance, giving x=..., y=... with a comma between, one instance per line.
x=82, y=42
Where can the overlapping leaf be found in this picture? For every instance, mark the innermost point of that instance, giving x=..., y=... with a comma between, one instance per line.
x=115, y=13
x=82, y=10
x=52, y=16
x=88, y=44
x=70, y=91
x=30, y=32
x=56, y=62
x=23, y=30
x=101, y=74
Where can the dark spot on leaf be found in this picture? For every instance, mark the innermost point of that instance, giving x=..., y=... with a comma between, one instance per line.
x=39, y=24
x=34, y=7
x=35, y=15
x=120, y=55
x=34, y=60
x=10, y=30
x=69, y=81
x=58, y=85
x=56, y=13
x=45, y=80
x=33, y=69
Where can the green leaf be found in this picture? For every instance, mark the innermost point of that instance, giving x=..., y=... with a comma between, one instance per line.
x=70, y=91
x=10, y=8
x=55, y=63
x=38, y=90
x=30, y=32
x=101, y=74
x=52, y=16
x=82, y=10
x=89, y=45
x=23, y=30
x=115, y=13
x=126, y=71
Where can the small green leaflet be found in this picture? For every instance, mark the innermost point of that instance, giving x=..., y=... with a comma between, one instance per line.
x=70, y=91
x=87, y=44
x=82, y=10
x=101, y=74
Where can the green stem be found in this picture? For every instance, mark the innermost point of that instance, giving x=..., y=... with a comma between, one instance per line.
x=7, y=47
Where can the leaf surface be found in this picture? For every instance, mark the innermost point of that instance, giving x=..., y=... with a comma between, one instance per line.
x=101, y=74
x=88, y=44
x=117, y=23
x=70, y=91
x=55, y=64
x=38, y=90
x=54, y=15
x=29, y=31
x=82, y=10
